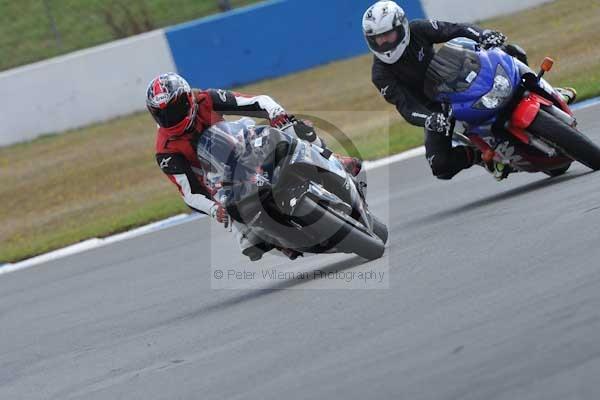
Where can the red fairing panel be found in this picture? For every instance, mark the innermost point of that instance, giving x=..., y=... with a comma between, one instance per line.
x=527, y=110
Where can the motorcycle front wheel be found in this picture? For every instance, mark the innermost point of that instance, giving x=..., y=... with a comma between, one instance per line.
x=339, y=230
x=567, y=139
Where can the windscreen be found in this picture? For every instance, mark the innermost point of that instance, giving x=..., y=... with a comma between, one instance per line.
x=225, y=152
x=239, y=156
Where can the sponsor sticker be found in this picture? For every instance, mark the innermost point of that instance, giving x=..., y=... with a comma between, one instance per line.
x=471, y=77
x=162, y=98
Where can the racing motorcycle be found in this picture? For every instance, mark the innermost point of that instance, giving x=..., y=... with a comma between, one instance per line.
x=287, y=192
x=511, y=114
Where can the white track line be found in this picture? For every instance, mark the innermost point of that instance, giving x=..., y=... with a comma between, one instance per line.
x=586, y=104
x=98, y=242
x=406, y=155
x=184, y=218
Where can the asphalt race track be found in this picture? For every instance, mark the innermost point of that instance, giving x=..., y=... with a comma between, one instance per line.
x=494, y=293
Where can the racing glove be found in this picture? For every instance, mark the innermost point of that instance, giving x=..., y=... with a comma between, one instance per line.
x=302, y=128
x=219, y=213
x=438, y=123
x=490, y=39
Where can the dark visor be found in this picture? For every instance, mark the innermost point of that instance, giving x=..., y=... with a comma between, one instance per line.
x=174, y=113
x=387, y=46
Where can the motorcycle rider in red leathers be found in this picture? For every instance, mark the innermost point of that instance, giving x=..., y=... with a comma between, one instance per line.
x=183, y=113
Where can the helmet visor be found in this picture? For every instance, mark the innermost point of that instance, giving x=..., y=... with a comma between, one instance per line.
x=387, y=41
x=173, y=113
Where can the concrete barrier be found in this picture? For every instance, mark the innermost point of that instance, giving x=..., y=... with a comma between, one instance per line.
x=475, y=10
x=81, y=88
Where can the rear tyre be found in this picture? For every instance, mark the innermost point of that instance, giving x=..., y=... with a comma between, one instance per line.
x=569, y=140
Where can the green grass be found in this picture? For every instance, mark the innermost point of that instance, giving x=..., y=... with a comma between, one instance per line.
x=26, y=33
x=103, y=179
x=73, y=231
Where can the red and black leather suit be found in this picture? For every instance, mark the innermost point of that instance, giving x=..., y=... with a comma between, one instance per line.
x=175, y=151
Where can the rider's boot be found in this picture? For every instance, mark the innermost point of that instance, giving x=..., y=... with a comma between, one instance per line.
x=352, y=165
x=291, y=254
x=255, y=252
x=499, y=170
x=568, y=94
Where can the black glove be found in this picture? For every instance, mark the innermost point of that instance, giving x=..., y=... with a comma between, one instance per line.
x=304, y=130
x=438, y=123
x=489, y=39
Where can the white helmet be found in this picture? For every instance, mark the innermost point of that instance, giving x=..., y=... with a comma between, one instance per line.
x=383, y=17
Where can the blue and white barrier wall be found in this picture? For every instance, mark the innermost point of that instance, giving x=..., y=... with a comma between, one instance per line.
x=270, y=40
x=264, y=41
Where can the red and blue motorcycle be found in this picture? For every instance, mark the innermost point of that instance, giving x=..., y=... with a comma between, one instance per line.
x=511, y=114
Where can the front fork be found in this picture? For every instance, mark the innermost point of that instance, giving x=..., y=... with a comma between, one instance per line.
x=524, y=115
x=532, y=95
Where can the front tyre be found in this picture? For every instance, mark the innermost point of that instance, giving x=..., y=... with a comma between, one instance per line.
x=339, y=231
x=558, y=171
x=567, y=139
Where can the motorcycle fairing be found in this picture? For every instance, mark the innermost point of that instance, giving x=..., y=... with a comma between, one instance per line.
x=486, y=127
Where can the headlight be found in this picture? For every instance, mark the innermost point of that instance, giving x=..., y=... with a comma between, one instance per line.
x=499, y=94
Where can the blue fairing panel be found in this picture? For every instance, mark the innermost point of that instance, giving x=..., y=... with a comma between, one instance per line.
x=271, y=39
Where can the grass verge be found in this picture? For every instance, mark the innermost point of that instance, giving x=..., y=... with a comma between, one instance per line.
x=102, y=179
x=27, y=34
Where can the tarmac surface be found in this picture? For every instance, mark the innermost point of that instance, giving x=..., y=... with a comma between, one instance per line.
x=488, y=291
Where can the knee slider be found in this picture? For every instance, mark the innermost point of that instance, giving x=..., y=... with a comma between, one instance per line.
x=439, y=165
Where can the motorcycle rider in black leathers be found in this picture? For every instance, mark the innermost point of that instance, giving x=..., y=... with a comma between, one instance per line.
x=403, y=52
